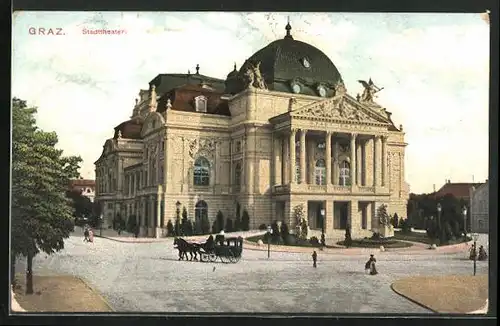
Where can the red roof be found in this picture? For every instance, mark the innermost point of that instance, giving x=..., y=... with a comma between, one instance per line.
x=459, y=190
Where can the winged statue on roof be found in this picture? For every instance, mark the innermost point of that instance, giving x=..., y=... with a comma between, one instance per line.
x=370, y=90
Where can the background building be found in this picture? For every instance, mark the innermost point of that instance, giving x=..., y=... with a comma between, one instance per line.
x=479, y=203
x=278, y=133
x=85, y=186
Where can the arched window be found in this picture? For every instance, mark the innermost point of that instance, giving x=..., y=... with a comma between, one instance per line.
x=201, y=172
x=320, y=172
x=200, y=212
x=345, y=174
x=237, y=174
x=201, y=104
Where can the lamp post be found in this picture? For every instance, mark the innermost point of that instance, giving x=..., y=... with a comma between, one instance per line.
x=464, y=212
x=475, y=236
x=322, y=228
x=177, y=217
x=269, y=232
x=439, y=224
x=100, y=225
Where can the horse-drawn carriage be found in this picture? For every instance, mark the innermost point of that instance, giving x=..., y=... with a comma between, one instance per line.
x=228, y=250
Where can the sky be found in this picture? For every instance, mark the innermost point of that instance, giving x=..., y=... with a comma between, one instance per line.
x=434, y=69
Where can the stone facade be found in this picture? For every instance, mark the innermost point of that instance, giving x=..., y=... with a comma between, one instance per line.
x=275, y=151
x=479, y=206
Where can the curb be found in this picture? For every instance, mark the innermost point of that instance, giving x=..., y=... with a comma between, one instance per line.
x=412, y=300
x=96, y=292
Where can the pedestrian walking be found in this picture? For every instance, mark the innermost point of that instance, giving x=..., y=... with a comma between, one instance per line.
x=370, y=266
x=86, y=235
x=314, y=257
x=91, y=236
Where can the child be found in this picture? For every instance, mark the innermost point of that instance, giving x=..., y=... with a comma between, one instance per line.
x=315, y=257
x=91, y=235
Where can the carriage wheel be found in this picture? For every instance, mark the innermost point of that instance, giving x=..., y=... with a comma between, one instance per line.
x=203, y=257
x=231, y=258
x=236, y=259
x=224, y=259
x=212, y=257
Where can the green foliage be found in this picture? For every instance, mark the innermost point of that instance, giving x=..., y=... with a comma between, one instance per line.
x=284, y=231
x=177, y=227
x=262, y=227
x=132, y=224
x=405, y=226
x=185, y=227
x=395, y=220
x=314, y=241
x=170, y=228
x=82, y=205
x=301, y=221
x=205, y=225
x=237, y=224
x=219, y=222
x=42, y=216
x=214, y=227
x=245, y=221
x=348, y=239
x=229, y=225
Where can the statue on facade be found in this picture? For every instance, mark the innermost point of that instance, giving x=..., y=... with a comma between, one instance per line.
x=253, y=76
x=119, y=134
x=370, y=90
x=340, y=88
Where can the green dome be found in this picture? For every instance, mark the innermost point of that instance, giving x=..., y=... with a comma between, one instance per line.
x=286, y=61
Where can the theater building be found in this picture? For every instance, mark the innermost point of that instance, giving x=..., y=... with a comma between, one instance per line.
x=280, y=132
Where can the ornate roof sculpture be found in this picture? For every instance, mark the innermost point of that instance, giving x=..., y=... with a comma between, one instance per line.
x=288, y=65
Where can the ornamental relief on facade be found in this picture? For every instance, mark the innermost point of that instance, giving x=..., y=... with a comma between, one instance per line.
x=335, y=108
x=202, y=147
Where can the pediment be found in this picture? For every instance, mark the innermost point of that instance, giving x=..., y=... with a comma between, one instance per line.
x=341, y=108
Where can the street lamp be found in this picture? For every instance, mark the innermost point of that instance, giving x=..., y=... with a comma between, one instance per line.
x=438, y=206
x=269, y=232
x=100, y=225
x=464, y=212
x=322, y=228
x=178, y=212
x=475, y=236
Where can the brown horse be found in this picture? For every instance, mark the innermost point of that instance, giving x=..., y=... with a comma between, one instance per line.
x=185, y=247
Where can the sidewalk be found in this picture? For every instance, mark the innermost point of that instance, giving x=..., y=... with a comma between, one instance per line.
x=195, y=238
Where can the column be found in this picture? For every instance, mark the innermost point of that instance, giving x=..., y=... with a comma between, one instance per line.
x=335, y=165
x=142, y=210
x=284, y=162
x=359, y=163
x=353, y=159
x=277, y=160
x=293, y=132
x=384, y=161
x=158, y=209
x=120, y=175
x=303, y=156
x=329, y=216
x=364, y=165
x=328, y=162
x=376, y=161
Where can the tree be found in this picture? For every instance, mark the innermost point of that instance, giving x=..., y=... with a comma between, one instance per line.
x=41, y=212
x=132, y=224
x=285, y=232
x=348, y=239
x=220, y=222
x=245, y=221
x=205, y=225
x=177, y=227
x=184, y=223
x=395, y=220
x=170, y=228
x=276, y=236
x=82, y=205
x=214, y=227
x=237, y=222
x=229, y=225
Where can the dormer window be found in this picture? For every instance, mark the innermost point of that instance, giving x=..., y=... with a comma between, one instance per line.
x=201, y=104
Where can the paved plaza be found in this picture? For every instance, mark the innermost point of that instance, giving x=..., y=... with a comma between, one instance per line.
x=146, y=277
